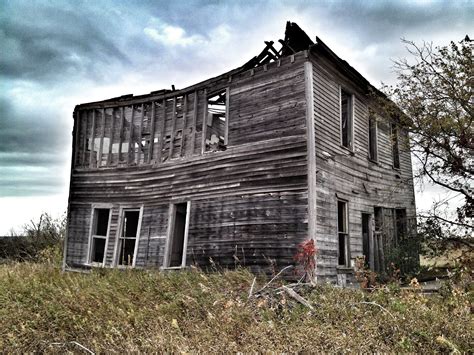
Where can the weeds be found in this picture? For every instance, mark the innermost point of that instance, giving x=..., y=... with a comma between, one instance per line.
x=44, y=310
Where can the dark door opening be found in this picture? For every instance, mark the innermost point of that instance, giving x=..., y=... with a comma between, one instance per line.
x=128, y=237
x=366, y=238
x=177, y=235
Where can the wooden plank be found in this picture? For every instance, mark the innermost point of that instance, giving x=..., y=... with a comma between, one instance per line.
x=140, y=138
x=183, y=135
x=173, y=127
x=311, y=150
x=92, y=140
x=131, y=143
x=193, y=127
x=99, y=161
x=84, y=149
x=204, y=124
x=162, y=134
x=76, y=136
x=227, y=116
x=112, y=126
x=122, y=119
x=152, y=133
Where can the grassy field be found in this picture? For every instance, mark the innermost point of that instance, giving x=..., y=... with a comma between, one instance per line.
x=45, y=310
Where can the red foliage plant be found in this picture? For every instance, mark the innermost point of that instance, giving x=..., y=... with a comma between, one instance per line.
x=305, y=256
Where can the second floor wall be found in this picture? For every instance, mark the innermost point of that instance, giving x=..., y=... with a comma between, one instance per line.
x=232, y=110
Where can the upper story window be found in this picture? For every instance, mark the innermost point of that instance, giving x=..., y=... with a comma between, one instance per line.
x=372, y=137
x=216, y=124
x=395, y=146
x=346, y=102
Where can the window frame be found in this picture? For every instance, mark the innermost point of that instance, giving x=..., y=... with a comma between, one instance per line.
x=345, y=234
x=351, y=111
x=118, y=237
x=92, y=227
x=372, y=117
x=204, y=129
x=395, y=145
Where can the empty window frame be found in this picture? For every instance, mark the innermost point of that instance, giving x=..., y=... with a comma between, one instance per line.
x=372, y=137
x=175, y=254
x=401, y=224
x=346, y=107
x=216, y=126
x=343, y=233
x=395, y=146
x=128, y=237
x=99, y=233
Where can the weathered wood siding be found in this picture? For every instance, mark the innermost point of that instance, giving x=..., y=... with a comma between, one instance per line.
x=248, y=202
x=347, y=175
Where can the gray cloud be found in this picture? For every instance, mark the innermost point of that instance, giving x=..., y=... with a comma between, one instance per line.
x=57, y=53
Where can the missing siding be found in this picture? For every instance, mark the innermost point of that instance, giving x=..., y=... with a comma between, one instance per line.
x=216, y=122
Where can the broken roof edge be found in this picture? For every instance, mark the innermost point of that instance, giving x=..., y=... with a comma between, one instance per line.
x=296, y=41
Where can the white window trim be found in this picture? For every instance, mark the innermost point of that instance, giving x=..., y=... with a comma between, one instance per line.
x=119, y=232
x=351, y=147
x=91, y=236
x=171, y=221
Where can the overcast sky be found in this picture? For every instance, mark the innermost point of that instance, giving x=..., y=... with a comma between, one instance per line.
x=56, y=54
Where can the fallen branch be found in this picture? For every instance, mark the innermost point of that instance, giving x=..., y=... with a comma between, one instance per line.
x=75, y=343
x=274, y=278
x=251, y=287
x=297, y=297
x=382, y=308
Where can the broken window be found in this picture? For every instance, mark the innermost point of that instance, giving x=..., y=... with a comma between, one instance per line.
x=177, y=235
x=401, y=224
x=343, y=233
x=100, y=228
x=346, y=119
x=216, y=124
x=395, y=147
x=366, y=240
x=128, y=237
x=372, y=137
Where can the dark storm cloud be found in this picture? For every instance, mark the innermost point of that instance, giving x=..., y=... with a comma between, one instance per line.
x=54, y=53
x=48, y=42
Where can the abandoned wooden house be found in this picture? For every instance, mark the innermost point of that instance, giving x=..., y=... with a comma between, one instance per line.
x=240, y=169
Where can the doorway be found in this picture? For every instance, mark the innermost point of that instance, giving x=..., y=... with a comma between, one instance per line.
x=177, y=234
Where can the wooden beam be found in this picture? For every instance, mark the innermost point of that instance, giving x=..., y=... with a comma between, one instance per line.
x=204, y=124
x=152, y=132
x=311, y=151
x=185, y=111
x=140, y=133
x=92, y=139
x=122, y=119
x=84, y=148
x=173, y=127
x=130, y=139
x=99, y=161
x=193, y=127
x=162, y=133
x=75, y=136
x=112, y=126
x=227, y=113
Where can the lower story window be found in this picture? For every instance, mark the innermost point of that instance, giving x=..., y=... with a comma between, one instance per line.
x=127, y=243
x=343, y=233
x=100, y=228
